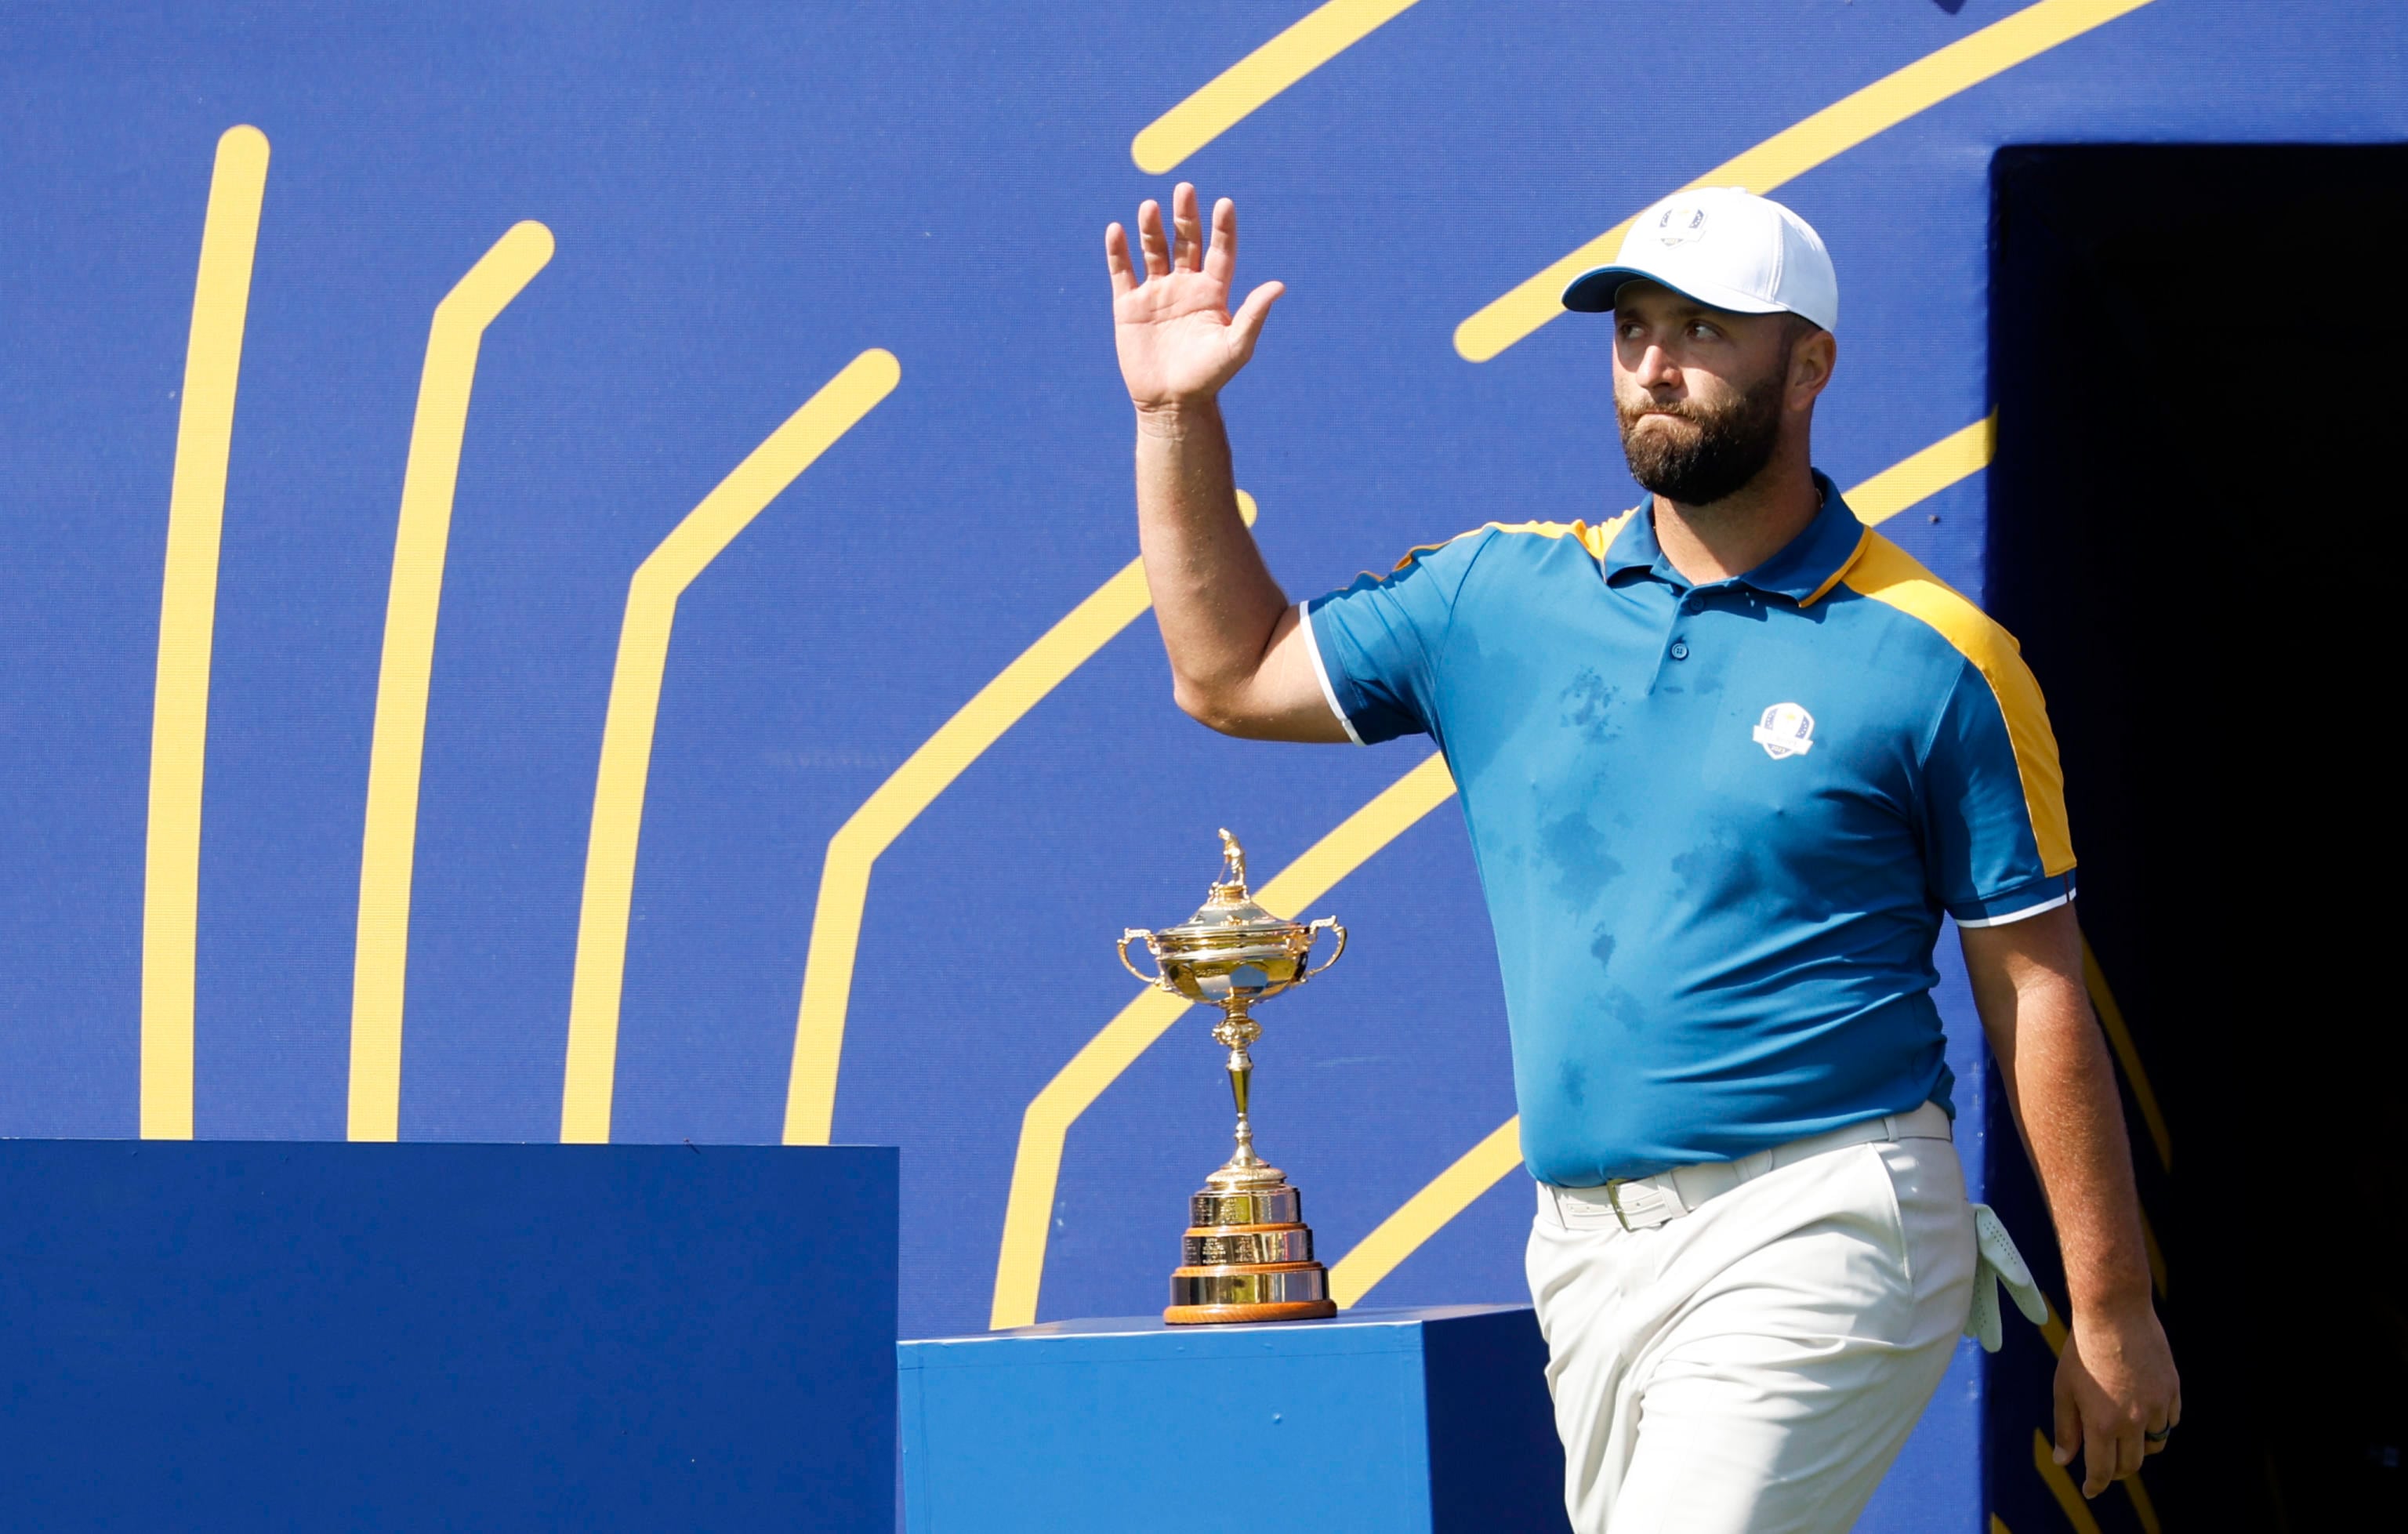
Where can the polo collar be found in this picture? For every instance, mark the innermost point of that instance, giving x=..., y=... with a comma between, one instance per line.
x=1805, y=570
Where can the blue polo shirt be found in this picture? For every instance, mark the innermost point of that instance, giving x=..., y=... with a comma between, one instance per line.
x=1717, y=826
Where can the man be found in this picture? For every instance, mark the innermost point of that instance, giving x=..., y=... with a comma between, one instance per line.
x=1725, y=761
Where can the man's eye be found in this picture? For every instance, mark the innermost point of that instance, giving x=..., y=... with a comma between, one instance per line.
x=1701, y=332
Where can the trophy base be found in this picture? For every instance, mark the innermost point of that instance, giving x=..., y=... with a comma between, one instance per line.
x=1225, y=1315
x=1248, y=1258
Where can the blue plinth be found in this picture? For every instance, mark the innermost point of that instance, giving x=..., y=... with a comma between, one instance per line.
x=313, y=1337
x=1432, y=1420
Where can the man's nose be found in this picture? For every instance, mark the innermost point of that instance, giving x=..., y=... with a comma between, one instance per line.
x=1655, y=368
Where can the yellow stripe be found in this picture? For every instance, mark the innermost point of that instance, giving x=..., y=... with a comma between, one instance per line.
x=188, y=603
x=1927, y=473
x=1399, y=1236
x=1596, y=539
x=1797, y=149
x=844, y=873
x=2061, y=1486
x=1864, y=542
x=1888, y=574
x=591, y=1071
x=1423, y=1215
x=2111, y=1017
x=388, y=845
x=1036, y=1167
x=1245, y=86
x=2143, y=1508
x=1999, y=1525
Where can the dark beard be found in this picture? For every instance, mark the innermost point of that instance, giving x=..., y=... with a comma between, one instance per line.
x=1728, y=447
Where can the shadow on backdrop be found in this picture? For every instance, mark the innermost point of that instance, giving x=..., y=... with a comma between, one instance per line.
x=2200, y=356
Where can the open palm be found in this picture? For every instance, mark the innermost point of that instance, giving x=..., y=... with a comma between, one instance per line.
x=1177, y=341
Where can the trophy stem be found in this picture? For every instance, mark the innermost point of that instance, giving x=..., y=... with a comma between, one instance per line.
x=1242, y=1077
x=1245, y=1170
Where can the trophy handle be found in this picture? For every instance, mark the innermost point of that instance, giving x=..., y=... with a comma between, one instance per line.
x=1134, y=933
x=1331, y=923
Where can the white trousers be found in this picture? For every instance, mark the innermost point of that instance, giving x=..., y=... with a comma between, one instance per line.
x=1754, y=1365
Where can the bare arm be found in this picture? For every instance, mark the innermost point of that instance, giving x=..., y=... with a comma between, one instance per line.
x=2116, y=1379
x=1238, y=655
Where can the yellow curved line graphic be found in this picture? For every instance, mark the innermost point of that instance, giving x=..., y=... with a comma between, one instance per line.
x=1238, y=91
x=1457, y=1188
x=844, y=873
x=188, y=607
x=1423, y=1215
x=1926, y=474
x=1036, y=1168
x=2119, y=1036
x=2061, y=1486
x=1798, y=149
x=591, y=1071
x=389, y=842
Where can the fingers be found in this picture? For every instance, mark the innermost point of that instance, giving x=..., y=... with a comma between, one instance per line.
x=2107, y=1457
x=1116, y=259
x=2067, y=1439
x=2112, y=1445
x=1148, y=234
x=1185, y=249
x=1248, y=322
x=1187, y=254
x=1221, y=261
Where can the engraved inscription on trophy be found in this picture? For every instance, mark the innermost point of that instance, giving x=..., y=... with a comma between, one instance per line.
x=1248, y=1253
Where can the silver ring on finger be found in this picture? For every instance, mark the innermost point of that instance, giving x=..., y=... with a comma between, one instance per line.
x=2158, y=1439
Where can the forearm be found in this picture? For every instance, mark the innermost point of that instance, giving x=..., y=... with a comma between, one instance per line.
x=1213, y=597
x=2062, y=1089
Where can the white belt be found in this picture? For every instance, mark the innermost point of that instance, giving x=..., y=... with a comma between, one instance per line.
x=1643, y=1203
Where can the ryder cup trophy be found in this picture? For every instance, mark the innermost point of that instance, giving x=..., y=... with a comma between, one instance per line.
x=1248, y=1252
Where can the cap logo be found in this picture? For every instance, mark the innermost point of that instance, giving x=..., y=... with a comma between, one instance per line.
x=1679, y=225
x=1785, y=730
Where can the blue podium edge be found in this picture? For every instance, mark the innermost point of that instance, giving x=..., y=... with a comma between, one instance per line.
x=1147, y=1337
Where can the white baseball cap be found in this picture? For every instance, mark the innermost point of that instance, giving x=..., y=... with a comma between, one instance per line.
x=1726, y=246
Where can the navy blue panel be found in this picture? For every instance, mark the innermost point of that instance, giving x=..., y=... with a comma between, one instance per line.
x=1495, y=1460
x=377, y=1337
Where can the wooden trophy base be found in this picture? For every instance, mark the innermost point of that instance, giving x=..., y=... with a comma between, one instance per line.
x=1224, y=1315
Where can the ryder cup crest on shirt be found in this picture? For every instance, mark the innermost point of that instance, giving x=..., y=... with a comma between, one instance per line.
x=1785, y=730
x=1726, y=248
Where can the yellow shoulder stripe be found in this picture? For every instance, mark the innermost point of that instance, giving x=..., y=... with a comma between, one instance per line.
x=1886, y=573
x=1594, y=538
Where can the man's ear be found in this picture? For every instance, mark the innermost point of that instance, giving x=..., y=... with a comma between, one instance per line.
x=1812, y=357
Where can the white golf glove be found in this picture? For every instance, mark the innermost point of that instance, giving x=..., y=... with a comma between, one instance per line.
x=1998, y=1263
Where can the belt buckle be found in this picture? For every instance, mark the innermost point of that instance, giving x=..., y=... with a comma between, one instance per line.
x=1614, y=1200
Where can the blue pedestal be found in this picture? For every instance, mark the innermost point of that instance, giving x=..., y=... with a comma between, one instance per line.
x=1401, y=1421
x=311, y=1336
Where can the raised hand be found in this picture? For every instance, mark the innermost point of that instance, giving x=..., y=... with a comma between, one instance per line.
x=1177, y=341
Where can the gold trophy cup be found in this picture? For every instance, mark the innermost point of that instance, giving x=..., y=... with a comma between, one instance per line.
x=1248, y=1253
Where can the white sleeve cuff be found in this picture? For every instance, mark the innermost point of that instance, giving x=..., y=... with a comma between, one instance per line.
x=2005, y=918
x=1321, y=672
